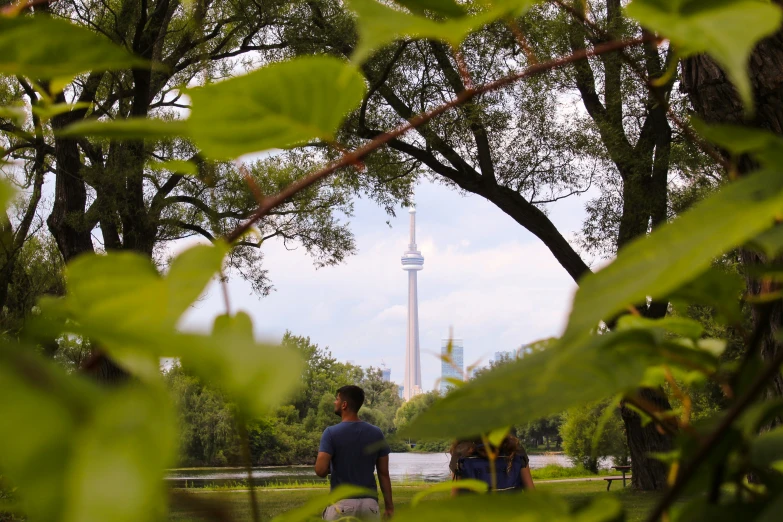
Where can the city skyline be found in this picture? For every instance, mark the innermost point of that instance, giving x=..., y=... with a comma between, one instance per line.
x=358, y=308
x=451, y=367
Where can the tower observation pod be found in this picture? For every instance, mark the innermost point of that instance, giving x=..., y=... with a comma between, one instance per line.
x=412, y=262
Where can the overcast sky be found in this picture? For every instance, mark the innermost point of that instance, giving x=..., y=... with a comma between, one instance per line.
x=484, y=276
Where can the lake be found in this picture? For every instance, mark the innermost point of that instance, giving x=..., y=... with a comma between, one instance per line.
x=426, y=467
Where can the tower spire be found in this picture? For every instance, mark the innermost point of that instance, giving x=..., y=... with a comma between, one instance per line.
x=412, y=262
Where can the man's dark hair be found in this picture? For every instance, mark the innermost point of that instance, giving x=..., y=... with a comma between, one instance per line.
x=353, y=395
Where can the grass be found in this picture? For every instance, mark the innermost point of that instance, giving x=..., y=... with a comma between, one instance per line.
x=554, y=471
x=274, y=502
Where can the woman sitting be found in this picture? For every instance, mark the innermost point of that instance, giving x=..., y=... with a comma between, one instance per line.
x=470, y=460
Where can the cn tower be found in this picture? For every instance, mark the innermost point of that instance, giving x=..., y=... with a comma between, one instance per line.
x=412, y=262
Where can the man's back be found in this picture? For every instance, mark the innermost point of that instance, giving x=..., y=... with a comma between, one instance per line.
x=355, y=448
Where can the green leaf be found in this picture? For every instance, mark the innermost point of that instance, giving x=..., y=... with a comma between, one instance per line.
x=7, y=194
x=379, y=24
x=17, y=114
x=47, y=112
x=737, y=139
x=721, y=222
x=727, y=30
x=769, y=242
x=178, y=166
x=541, y=384
x=441, y=7
x=132, y=128
x=43, y=47
x=677, y=325
x=131, y=437
x=257, y=376
x=317, y=505
x=497, y=436
x=278, y=106
x=122, y=301
x=78, y=452
x=477, y=486
x=767, y=448
x=716, y=288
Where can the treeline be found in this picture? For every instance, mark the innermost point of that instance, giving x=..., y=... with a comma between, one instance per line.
x=289, y=435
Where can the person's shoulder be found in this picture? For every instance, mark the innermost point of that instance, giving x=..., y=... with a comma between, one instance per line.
x=374, y=428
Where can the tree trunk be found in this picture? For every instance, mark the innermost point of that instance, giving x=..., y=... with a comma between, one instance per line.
x=644, y=206
x=715, y=101
x=647, y=473
x=67, y=220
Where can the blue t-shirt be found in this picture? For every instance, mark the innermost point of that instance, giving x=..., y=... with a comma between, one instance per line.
x=354, y=447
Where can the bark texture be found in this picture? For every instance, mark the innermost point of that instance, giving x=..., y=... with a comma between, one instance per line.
x=647, y=473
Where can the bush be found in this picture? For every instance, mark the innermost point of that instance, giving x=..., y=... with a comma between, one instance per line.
x=399, y=446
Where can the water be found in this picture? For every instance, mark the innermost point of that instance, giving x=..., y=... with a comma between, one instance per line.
x=425, y=467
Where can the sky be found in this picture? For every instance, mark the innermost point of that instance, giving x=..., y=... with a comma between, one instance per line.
x=485, y=277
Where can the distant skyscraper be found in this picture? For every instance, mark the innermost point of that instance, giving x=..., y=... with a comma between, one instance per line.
x=501, y=356
x=455, y=368
x=401, y=391
x=412, y=262
x=386, y=374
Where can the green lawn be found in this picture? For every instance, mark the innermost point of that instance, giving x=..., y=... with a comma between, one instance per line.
x=273, y=502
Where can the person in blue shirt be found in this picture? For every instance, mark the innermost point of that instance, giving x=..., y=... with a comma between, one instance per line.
x=350, y=452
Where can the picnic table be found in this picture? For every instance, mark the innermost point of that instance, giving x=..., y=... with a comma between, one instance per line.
x=621, y=469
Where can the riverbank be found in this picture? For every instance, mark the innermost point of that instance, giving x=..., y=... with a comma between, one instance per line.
x=273, y=502
x=403, y=468
x=549, y=472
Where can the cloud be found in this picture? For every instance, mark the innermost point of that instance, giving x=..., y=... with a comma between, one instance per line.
x=484, y=275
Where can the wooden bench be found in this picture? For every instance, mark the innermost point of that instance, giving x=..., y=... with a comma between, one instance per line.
x=609, y=481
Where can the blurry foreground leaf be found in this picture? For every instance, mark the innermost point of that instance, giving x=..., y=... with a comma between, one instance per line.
x=723, y=221
x=477, y=486
x=122, y=301
x=541, y=384
x=277, y=106
x=131, y=128
x=767, y=448
x=179, y=166
x=44, y=47
x=380, y=24
x=79, y=453
x=681, y=326
x=716, y=288
x=257, y=376
x=727, y=30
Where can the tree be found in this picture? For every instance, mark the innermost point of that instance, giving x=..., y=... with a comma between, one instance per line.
x=125, y=193
x=511, y=147
x=587, y=437
x=207, y=433
x=545, y=430
x=37, y=271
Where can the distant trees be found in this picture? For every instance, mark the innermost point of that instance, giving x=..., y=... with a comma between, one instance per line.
x=288, y=435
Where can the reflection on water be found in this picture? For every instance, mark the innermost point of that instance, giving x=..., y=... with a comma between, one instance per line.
x=426, y=467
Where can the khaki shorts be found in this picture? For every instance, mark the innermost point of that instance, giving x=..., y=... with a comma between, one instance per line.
x=361, y=508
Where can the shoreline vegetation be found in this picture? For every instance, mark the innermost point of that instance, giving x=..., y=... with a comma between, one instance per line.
x=549, y=472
